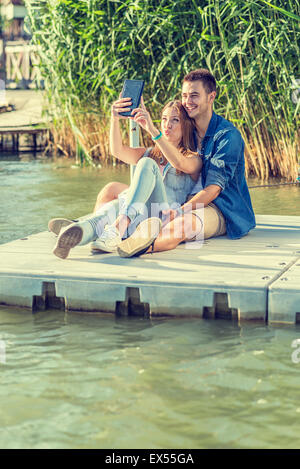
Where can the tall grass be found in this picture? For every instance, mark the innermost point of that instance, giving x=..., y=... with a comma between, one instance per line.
x=89, y=47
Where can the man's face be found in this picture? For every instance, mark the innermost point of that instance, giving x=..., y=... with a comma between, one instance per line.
x=196, y=101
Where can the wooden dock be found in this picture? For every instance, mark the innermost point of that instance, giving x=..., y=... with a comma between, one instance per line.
x=254, y=278
x=24, y=128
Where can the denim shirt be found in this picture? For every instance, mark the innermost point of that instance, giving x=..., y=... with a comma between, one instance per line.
x=222, y=154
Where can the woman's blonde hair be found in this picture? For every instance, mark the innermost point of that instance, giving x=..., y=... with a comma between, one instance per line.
x=187, y=143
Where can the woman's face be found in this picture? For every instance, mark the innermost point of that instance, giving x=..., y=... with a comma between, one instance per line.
x=171, y=125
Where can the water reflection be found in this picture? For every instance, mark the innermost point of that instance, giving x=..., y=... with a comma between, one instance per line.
x=188, y=383
x=100, y=381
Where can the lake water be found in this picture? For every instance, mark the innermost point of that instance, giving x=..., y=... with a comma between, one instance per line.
x=96, y=381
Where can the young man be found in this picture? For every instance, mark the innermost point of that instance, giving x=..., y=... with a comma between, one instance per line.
x=220, y=201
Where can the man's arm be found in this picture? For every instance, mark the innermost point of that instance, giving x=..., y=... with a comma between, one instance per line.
x=205, y=197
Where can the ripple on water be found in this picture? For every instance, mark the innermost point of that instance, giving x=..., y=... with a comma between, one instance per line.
x=75, y=381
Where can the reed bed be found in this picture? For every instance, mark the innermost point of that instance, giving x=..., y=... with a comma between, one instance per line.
x=89, y=47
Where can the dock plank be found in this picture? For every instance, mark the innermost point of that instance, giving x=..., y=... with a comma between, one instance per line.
x=284, y=296
x=28, y=109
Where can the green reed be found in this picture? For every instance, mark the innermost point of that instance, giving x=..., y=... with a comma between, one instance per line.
x=89, y=47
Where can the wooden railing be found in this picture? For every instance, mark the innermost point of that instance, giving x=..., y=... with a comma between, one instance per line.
x=21, y=60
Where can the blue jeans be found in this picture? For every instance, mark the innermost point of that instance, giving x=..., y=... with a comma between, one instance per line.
x=146, y=195
x=107, y=214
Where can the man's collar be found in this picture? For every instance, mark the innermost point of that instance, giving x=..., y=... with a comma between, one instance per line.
x=211, y=129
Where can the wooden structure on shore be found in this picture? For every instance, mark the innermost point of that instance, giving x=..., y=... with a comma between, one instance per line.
x=18, y=58
x=14, y=12
x=21, y=65
x=15, y=134
x=24, y=128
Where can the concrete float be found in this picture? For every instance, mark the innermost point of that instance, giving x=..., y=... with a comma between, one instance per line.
x=236, y=279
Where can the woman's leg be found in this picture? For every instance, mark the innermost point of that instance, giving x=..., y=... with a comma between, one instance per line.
x=83, y=232
x=146, y=195
x=109, y=192
x=145, y=198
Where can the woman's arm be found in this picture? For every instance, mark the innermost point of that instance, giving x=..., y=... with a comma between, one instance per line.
x=117, y=148
x=189, y=162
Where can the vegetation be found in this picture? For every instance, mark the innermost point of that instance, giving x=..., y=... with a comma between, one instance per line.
x=89, y=47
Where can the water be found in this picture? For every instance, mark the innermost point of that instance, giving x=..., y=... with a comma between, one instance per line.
x=96, y=381
x=33, y=190
x=77, y=381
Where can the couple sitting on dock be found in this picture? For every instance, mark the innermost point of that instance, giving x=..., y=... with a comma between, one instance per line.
x=189, y=186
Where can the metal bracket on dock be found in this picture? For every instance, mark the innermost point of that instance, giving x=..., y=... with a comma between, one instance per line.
x=220, y=308
x=48, y=299
x=132, y=306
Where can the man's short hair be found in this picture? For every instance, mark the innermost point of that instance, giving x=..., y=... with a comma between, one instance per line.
x=203, y=75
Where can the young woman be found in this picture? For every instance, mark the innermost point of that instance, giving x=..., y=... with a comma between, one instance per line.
x=163, y=178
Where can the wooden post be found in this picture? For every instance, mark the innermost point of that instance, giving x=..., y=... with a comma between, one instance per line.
x=134, y=139
x=4, y=60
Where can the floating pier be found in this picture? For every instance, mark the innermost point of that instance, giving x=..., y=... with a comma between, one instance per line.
x=254, y=278
x=24, y=128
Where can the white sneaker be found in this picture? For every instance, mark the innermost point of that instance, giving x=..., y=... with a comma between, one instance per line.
x=56, y=224
x=76, y=234
x=68, y=238
x=108, y=241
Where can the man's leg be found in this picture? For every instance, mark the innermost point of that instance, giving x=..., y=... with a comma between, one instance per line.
x=204, y=223
x=177, y=231
x=197, y=225
x=148, y=236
